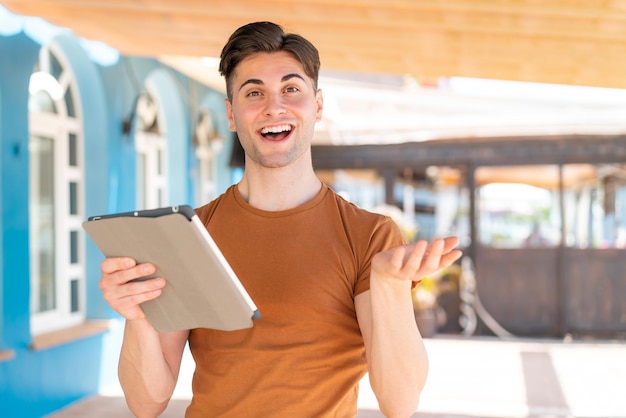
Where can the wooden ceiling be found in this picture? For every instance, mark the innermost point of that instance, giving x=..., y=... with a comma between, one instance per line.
x=560, y=41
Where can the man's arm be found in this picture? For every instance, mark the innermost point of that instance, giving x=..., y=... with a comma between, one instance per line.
x=149, y=361
x=396, y=356
x=149, y=366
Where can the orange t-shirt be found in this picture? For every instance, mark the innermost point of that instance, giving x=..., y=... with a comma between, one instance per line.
x=302, y=267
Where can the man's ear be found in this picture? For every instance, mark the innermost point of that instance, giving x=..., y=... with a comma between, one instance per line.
x=230, y=116
x=319, y=100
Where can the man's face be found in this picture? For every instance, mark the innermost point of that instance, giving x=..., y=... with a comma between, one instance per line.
x=274, y=108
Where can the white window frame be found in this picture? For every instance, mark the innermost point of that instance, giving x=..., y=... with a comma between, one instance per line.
x=152, y=193
x=207, y=175
x=208, y=145
x=151, y=146
x=58, y=127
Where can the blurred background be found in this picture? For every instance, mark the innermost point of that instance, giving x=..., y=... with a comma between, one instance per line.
x=498, y=121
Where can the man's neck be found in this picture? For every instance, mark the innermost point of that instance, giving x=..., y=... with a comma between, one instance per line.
x=275, y=190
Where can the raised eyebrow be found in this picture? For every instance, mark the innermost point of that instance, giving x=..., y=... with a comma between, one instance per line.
x=292, y=75
x=258, y=82
x=255, y=81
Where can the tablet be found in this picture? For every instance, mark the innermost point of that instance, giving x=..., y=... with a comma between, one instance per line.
x=202, y=289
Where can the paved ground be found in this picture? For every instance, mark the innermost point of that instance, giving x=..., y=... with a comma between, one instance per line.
x=470, y=378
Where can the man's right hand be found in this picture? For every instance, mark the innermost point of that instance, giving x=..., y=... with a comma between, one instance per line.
x=149, y=361
x=123, y=295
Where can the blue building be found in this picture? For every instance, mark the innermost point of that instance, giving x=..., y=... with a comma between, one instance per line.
x=84, y=131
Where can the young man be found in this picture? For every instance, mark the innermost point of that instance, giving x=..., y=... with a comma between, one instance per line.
x=332, y=281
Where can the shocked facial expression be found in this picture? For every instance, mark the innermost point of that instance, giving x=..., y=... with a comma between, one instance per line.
x=274, y=108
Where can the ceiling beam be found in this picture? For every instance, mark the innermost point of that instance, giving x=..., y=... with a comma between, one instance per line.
x=565, y=42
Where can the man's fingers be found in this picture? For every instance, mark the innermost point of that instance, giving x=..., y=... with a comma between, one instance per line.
x=440, y=254
x=130, y=289
x=141, y=270
x=125, y=298
x=122, y=270
x=433, y=258
x=449, y=258
x=415, y=257
x=450, y=243
x=112, y=264
x=138, y=298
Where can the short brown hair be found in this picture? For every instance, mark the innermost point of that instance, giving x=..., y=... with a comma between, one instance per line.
x=266, y=37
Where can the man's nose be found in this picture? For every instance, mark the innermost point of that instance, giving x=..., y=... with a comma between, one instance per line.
x=274, y=105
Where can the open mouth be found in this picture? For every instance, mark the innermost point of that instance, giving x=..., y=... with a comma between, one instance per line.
x=276, y=133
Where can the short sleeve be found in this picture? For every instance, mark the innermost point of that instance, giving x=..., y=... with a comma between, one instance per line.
x=386, y=235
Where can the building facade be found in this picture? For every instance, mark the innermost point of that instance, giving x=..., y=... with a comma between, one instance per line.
x=83, y=137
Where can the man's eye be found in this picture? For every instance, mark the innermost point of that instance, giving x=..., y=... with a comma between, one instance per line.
x=292, y=89
x=254, y=93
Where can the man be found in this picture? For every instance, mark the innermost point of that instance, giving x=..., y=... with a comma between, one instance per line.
x=332, y=281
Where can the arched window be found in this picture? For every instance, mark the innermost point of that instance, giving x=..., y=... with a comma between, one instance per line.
x=152, y=154
x=208, y=143
x=56, y=195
